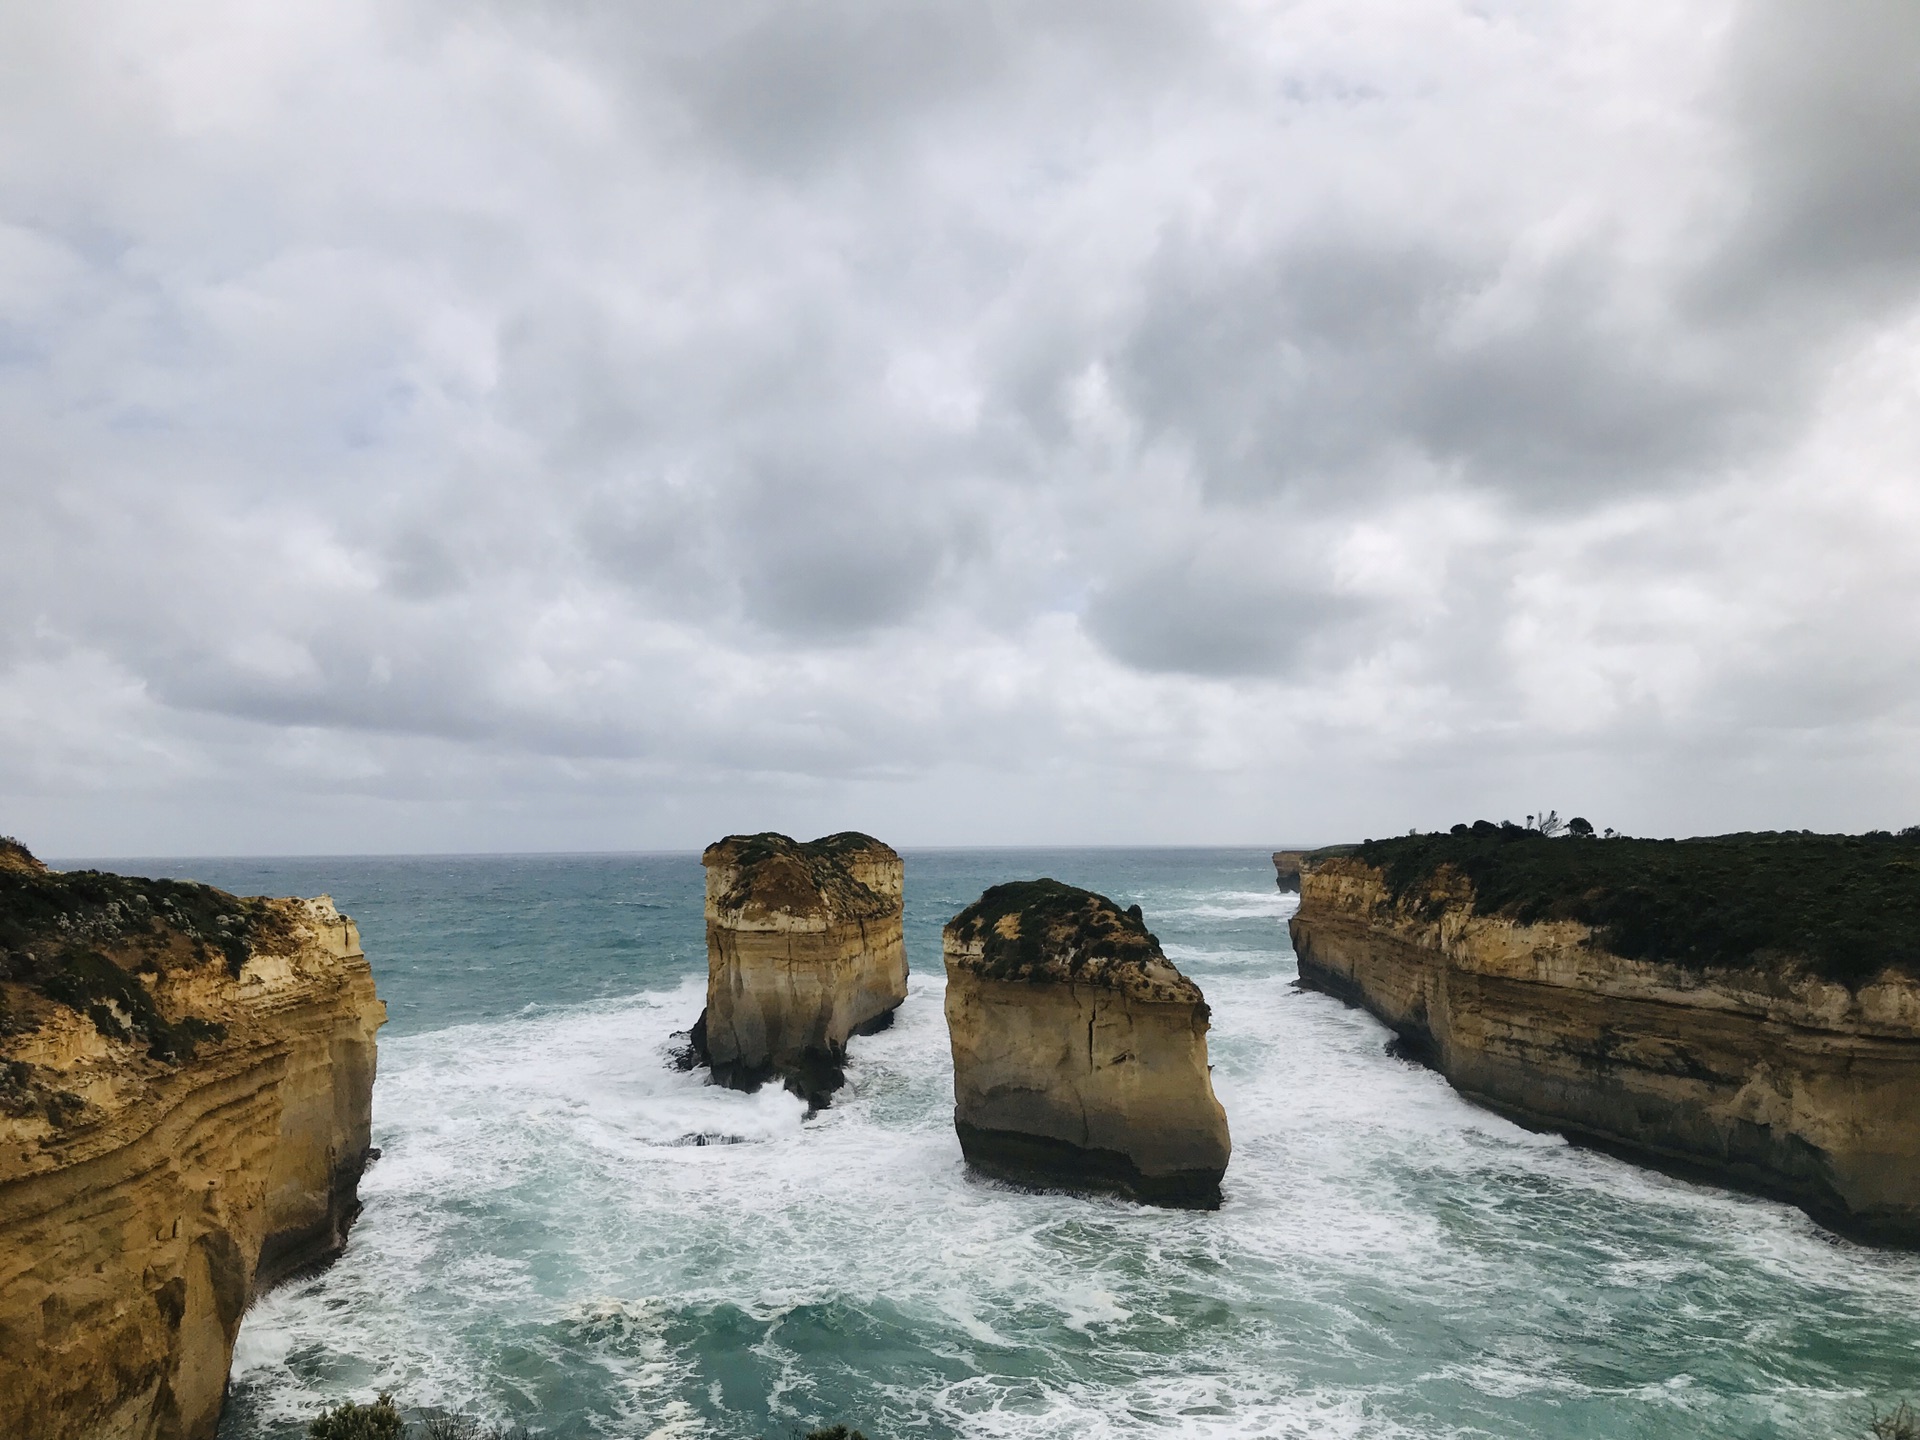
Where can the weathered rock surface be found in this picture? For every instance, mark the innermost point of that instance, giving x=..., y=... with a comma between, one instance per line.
x=1079, y=1051
x=185, y=1083
x=1286, y=869
x=804, y=950
x=1768, y=1078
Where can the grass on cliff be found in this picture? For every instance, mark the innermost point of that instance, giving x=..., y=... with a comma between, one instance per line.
x=1055, y=918
x=84, y=938
x=1846, y=905
x=816, y=870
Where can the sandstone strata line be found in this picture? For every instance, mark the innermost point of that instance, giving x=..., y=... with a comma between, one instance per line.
x=1079, y=1051
x=147, y=1194
x=1769, y=1078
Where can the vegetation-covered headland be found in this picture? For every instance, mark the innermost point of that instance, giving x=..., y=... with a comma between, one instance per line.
x=1740, y=1007
x=1845, y=907
x=1079, y=1051
x=804, y=950
x=185, y=1086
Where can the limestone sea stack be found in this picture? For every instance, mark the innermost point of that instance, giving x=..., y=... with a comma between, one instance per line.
x=1079, y=1051
x=804, y=950
x=185, y=1085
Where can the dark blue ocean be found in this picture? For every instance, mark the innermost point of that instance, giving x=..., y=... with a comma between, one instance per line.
x=565, y=1231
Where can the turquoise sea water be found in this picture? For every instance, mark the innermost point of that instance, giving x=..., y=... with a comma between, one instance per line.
x=566, y=1231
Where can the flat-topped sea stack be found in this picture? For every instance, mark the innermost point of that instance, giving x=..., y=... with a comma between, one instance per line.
x=1741, y=1008
x=185, y=1083
x=804, y=950
x=1079, y=1051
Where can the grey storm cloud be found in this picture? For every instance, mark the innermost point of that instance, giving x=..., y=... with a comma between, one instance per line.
x=598, y=424
x=1823, y=98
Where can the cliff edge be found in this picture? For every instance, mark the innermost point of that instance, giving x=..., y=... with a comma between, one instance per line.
x=1744, y=1009
x=804, y=950
x=185, y=1090
x=1286, y=870
x=1079, y=1051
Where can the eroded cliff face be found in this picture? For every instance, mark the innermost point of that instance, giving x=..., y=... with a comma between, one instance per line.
x=184, y=1117
x=1769, y=1078
x=804, y=950
x=1079, y=1051
x=1286, y=869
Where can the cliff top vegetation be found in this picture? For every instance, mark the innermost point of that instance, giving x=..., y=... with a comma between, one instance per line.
x=84, y=938
x=1043, y=930
x=1845, y=905
x=778, y=874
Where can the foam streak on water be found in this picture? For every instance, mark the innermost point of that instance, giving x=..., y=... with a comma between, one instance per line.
x=559, y=1232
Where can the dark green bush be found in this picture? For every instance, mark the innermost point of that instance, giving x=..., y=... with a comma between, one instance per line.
x=1847, y=905
x=1062, y=919
x=465, y=1427
x=378, y=1421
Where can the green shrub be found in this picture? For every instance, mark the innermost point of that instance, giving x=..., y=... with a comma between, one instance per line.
x=1847, y=905
x=465, y=1427
x=378, y=1421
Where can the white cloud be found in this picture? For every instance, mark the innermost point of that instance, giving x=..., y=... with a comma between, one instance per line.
x=487, y=426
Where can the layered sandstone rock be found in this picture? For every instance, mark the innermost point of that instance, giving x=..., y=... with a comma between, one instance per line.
x=185, y=1082
x=1286, y=869
x=1768, y=1077
x=1079, y=1051
x=804, y=950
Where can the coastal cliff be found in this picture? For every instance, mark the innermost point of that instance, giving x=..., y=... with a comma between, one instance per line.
x=1286, y=869
x=804, y=950
x=185, y=1089
x=1762, y=1028
x=1079, y=1051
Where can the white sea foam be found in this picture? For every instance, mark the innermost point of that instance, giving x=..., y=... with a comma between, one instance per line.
x=1230, y=905
x=541, y=1238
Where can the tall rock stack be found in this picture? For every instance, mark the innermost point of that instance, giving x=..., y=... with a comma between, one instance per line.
x=185, y=1086
x=804, y=950
x=1079, y=1051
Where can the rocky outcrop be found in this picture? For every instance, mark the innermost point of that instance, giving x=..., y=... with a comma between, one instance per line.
x=1079, y=1051
x=1286, y=869
x=1766, y=1076
x=185, y=1083
x=804, y=950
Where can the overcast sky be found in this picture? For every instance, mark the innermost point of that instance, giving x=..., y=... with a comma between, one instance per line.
x=594, y=425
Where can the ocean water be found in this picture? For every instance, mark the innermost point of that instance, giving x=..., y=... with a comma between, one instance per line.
x=567, y=1232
